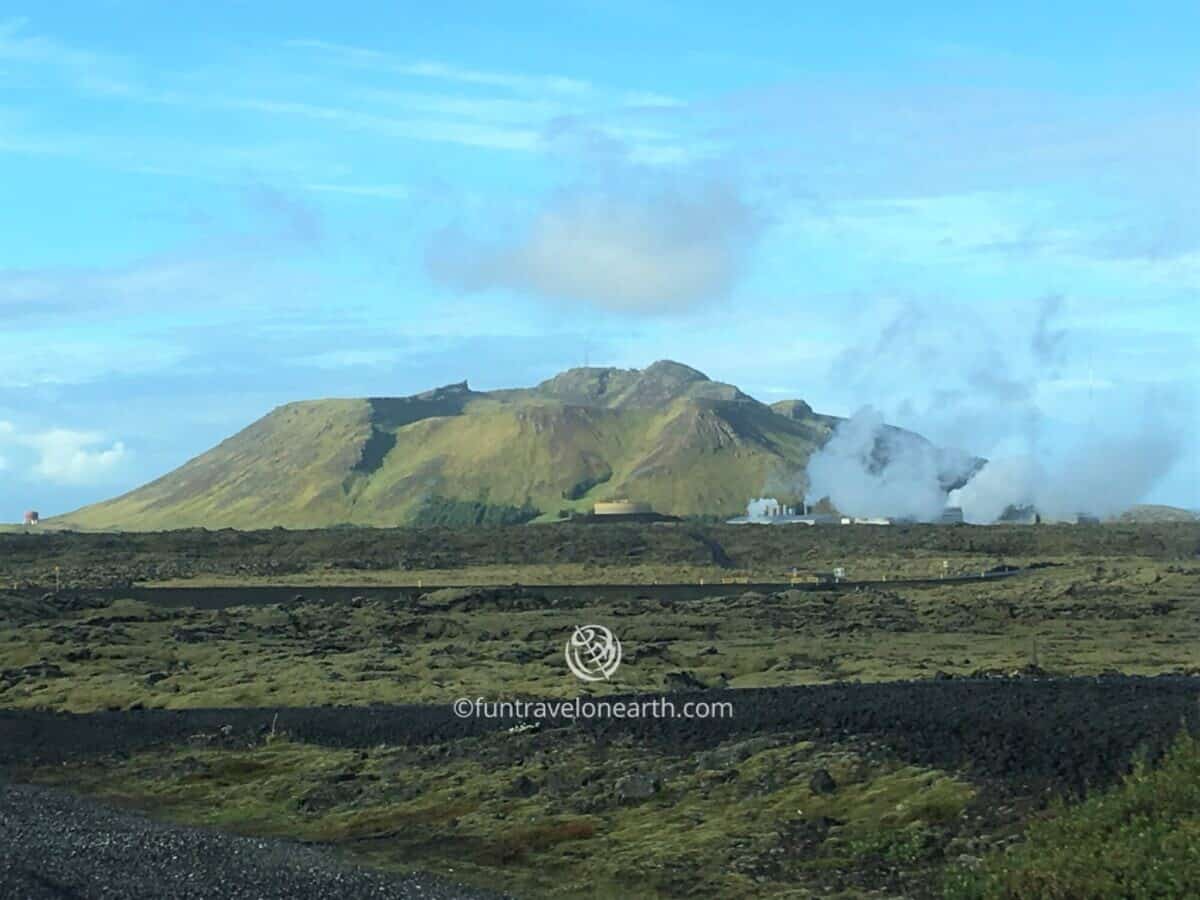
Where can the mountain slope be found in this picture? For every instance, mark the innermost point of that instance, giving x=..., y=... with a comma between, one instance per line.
x=667, y=435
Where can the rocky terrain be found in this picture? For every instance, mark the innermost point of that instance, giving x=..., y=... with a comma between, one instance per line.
x=830, y=790
x=889, y=738
x=563, y=553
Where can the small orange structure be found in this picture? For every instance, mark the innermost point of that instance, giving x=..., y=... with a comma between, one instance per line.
x=32, y=517
x=622, y=507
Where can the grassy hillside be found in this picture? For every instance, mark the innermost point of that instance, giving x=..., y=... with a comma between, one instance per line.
x=666, y=435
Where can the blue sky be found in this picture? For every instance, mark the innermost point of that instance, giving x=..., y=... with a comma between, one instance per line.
x=985, y=225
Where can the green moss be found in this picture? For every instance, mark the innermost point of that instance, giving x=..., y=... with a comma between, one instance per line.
x=448, y=512
x=379, y=651
x=897, y=846
x=1138, y=840
x=712, y=830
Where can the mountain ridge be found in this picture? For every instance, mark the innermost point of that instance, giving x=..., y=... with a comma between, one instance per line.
x=666, y=434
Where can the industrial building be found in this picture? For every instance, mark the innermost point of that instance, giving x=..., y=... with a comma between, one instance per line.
x=622, y=507
x=769, y=511
x=776, y=513
x=622, y=510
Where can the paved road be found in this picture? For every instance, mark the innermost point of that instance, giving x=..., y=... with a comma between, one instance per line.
x=265, y=595
x=56, y=845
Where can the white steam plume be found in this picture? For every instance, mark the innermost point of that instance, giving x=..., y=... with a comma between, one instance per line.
x=967, y=383
x=1100, y=478
x=869, y=469
x=759, y=506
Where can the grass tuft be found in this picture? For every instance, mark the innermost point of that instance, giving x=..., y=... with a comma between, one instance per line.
x=1138, y=840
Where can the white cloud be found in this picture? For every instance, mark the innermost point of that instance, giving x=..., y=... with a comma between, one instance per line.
x=652, y=247
x=65, y=455
x=75, y=457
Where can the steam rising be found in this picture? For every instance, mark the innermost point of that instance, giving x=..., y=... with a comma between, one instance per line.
x=759, y=507
x=1100, y=479
x=869, y=469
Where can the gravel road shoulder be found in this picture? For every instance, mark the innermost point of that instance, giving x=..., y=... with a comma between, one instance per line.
x=56, y=845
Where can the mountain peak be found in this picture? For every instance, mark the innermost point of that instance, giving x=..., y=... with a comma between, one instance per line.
x=447, y=390
x=793, y=409
x=675, y=371
x=656, y=385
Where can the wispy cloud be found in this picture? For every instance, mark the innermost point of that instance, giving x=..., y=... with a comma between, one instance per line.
x=94, y=72
x=843, y=138
x=444, y=131
x=491, y=108
x=441, y=71
x=224, y=271
x=343, y=93
x=163, y=284
x=172, y=157
x=382, y=191
x=37, y=358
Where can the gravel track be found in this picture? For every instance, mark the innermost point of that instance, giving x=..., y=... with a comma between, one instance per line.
x=56, y=845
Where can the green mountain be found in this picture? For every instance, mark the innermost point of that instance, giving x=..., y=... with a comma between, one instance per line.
x=667, y=435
